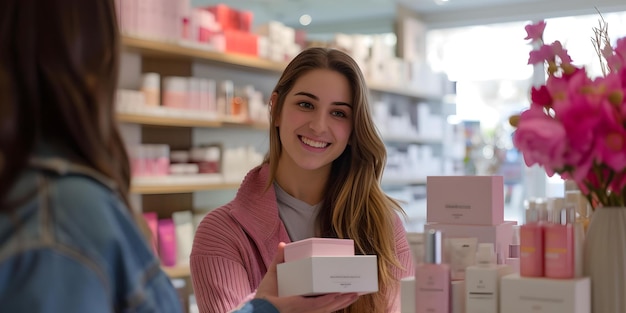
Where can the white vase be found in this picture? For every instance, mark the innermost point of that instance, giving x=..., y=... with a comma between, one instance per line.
x=605, y=259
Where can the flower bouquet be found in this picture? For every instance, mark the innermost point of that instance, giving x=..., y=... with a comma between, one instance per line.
x=576, y=124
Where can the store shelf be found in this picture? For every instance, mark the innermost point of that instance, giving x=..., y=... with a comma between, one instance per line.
x=402, y=91
x=146, y=119
x=403, y=182
x=178, y=271
x=180, y=184
x=149, y=47
x=417, y=139
x=191, y=120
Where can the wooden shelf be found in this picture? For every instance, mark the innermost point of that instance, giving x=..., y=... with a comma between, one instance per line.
x=178, y=271
x=173, y=121
x=181, y=51
x=167, y=120
x=180, y=188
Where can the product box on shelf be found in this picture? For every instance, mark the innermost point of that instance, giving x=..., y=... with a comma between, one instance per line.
x=500, y=235
x=320, y=275
x=544, y=295
x=318, y=247
x=475, y=200
x=407, y=296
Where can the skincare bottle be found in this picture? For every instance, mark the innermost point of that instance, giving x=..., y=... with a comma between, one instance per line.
x=573, y=201
x=482, y=281
x=559, y=245
x=514, y=251
x=575, y=196
x=531, y=241
x=432, y=278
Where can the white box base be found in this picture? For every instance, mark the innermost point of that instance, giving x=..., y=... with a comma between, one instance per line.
x=321, y=275
x=544, y=295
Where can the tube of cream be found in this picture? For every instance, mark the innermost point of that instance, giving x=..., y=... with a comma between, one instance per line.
x=462, y=254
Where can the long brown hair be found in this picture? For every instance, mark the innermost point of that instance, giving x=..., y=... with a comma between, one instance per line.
x=58, y=76
x=354, y=205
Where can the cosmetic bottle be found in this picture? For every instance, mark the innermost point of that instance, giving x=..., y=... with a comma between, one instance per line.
x=583, y=211
x=482, y=281
x=531, y=240
x=575, y=198
x=514, y=251
x=432, y=278
x=559, y=245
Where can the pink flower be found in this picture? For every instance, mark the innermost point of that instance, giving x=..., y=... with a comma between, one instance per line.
x=576, y=126
x=534, y=32
x=542, y=139
x=541, y=96
x=549, y=53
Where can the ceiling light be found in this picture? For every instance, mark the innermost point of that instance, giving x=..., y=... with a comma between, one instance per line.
x=305, y=19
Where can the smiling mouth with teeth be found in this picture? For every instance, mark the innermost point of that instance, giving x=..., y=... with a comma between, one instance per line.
x=313, y=143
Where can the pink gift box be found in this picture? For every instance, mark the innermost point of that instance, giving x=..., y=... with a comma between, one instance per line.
x=318, y=247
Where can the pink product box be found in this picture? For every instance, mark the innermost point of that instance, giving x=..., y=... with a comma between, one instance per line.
x=318, y=247
x=500, y=235
x=476, y=200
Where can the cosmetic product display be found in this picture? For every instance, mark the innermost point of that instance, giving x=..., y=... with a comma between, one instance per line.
x=532, y=240
x=544, y=295
x=318, y=266
x=559, y=245
x=432, y=278
x=482, y=281
x=476, y=200
x=500, y=235
x=514, y=251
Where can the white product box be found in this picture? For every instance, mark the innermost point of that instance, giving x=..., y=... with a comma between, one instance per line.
x=407, y=295
x=544, y=295
x=321, y=275
x=476, y=200
x=500, y=235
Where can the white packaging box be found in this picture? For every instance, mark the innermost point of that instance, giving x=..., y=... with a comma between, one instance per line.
x=321, y=275
x=407, y=295
x=544, y=295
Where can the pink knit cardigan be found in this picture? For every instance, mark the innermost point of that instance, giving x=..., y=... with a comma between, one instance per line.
x=234, y=245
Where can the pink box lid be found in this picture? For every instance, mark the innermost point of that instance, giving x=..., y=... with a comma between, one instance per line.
x=311, y=247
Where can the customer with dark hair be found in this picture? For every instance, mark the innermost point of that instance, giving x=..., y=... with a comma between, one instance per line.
x=69, y=241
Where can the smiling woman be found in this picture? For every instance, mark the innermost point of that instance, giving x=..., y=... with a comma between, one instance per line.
x=320, y=179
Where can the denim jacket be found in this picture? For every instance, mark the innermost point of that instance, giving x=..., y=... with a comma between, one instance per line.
x=71, y=245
